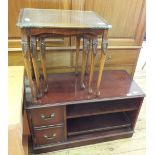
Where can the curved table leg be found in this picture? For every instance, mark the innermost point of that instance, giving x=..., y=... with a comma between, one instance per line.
x=35, y=65
x=77, y=54
x=84, y=58
x=93, y=55
x=104, y=47
x=30, y=59
x=43, y=62
x=27, y=62
x=87, y=58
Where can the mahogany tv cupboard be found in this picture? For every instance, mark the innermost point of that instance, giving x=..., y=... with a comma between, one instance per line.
x=68, y=116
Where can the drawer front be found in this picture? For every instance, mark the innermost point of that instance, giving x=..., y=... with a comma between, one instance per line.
x=47, y=116
x=49, y=136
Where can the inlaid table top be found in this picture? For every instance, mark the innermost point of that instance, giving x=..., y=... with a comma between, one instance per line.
x=56, y=18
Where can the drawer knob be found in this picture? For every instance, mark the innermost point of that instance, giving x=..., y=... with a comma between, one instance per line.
x=47, y=117
x=50, y=138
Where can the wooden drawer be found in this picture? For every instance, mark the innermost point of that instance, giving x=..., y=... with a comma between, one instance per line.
x=47, y=116
x=49, y=136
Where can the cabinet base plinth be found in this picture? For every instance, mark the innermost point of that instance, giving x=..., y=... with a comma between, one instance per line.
x=80, y=142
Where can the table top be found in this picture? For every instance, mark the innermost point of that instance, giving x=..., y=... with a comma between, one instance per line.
x=57, y=18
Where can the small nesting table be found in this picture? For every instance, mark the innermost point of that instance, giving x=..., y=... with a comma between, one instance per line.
x=38, y=24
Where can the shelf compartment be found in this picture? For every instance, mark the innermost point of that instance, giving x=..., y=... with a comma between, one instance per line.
x=101, y=134
x=87, y=109
x=83, y=125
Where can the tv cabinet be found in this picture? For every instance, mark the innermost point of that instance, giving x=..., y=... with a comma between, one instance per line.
x=68, y=116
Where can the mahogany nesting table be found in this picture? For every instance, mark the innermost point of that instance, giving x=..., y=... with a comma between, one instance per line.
x=43, y=23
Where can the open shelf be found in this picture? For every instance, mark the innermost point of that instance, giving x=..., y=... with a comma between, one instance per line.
x=101, y=134
x=81, y=110
x=82, y=125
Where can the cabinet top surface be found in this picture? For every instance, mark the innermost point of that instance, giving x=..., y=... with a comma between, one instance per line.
x=57, y=18
x=65, y=89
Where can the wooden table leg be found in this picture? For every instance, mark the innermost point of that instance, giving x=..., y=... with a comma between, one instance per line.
x=84, y=57
x=35, y=65
x=87, y=58
x=27, y=59
x=30, y=60
x=93, y=55
x=77, y=54
x=43, y=62
x=104, y=47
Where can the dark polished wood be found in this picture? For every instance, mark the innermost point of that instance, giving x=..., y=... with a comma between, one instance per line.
x=64, y=89
x=49, y=136
x=86, y=139
x=47, y=116
x=68, y=116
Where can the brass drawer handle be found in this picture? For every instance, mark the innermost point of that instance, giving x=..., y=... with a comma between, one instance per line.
x=50, y=138
x=47, y=117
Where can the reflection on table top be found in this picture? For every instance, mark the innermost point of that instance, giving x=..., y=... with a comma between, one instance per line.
x=56, y=18
x=64, y=89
